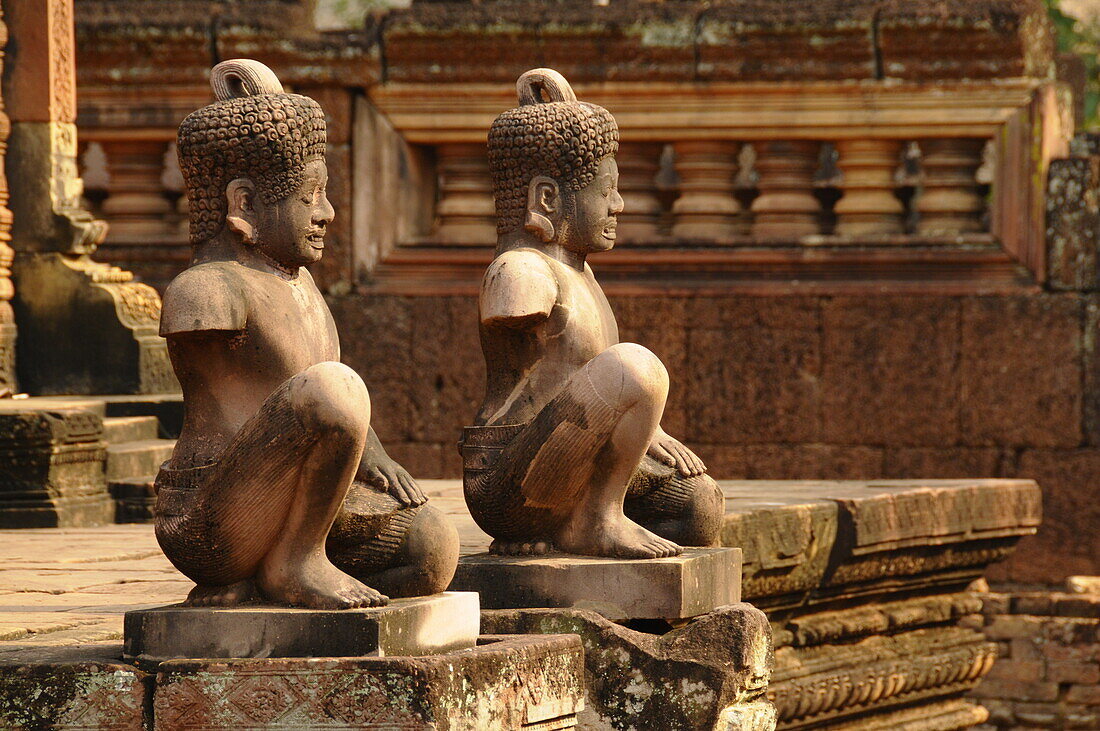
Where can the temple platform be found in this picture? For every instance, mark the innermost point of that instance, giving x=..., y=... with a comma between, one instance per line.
x=862, y=582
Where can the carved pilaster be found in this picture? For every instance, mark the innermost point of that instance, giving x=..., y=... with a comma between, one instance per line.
x=136, y=204
x=950, y=200
x=78, y=329
x=638, y=164
x=7, y=254
x=706, y=208
x=466, y=211
x=869, y=205
x=786, y=206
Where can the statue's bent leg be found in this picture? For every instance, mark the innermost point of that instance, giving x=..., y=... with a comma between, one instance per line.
x=687, y=510
x=268, y=503
x=571, y=463
x=415, y=554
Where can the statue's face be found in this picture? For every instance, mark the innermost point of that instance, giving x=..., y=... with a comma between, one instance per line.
x=292, y=231
x=595, y=210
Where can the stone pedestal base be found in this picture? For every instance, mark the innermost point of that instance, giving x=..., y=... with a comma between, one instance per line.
x=514, y=682
x=694, y=583
x=417, y=626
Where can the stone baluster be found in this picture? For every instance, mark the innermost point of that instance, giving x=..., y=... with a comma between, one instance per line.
x=706, y=208
x=638, y=165
x=136, y=207
x=950, y=200
x=869, y=205
x=466, y=211
x=786, y=206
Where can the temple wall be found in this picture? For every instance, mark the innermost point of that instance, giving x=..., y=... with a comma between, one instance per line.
x=933, y=346
x=1047, y=674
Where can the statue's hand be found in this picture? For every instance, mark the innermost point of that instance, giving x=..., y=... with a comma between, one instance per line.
x=390, y=477
x=670, y=451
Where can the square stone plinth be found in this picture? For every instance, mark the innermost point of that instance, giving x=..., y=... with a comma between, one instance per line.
x=409, y=627
x=693, y=583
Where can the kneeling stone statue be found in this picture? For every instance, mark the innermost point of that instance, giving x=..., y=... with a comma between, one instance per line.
x=278, y=488
x=567, y=451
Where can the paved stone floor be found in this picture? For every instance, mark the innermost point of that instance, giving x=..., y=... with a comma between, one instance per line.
x=63, y=587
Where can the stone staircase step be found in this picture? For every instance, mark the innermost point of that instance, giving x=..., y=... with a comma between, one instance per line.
x=138, y=458
x=119, y=429
x=135, y=499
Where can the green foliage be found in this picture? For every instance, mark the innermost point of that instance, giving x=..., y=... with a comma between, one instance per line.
x=1080, y=37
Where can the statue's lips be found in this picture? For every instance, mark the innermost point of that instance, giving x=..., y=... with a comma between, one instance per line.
x=317, y=241
x=609, y=231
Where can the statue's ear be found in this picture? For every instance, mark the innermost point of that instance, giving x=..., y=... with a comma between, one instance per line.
x=240, y=214
x=543, y=206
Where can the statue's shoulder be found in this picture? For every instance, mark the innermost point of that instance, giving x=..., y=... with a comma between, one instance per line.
x=210, y=296
x=520, y=284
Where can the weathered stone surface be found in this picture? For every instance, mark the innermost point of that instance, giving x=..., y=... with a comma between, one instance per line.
x=53, y=466
x=889, y=373
x=1067, y=543
x=1020, y=371
x=687, y=585
x=757, y=40
x=506, y=682
x=418, y=626
x=1047, y=675
x=1073, y=222
x=1003, y=38
x=624, y=41
x=815, y=543
x=715, y=667
x=734, y=339
x=85, y=690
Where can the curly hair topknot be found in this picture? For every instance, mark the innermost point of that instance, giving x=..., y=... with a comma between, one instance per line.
x=266, y=137
x=564, y=140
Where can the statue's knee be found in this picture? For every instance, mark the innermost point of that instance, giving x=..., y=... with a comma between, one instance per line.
x=332, y=399
x=431, y=545
x=634, y=375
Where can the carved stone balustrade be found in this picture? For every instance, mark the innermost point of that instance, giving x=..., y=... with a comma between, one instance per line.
x=950, y=201
x=682, y=77
x=136, y=203
x=870, y=204
x=786, y=206
x=638, y=167
x=706, y=208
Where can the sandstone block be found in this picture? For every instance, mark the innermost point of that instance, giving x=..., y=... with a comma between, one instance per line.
x=1082, y=673
x=410, y=627
x=504, y=683
x=66, y=693
x=1086, y=695
x=699, y=580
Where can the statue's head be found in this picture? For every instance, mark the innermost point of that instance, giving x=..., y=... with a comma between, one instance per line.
x=552, y=161
x=253, y=163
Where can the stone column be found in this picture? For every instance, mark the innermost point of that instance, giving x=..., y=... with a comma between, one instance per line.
x=706, y=208
x=786, y=206
x=85, y=327
x=466, y=211
x=949, y=201
x=869, y=205
x=638, y=165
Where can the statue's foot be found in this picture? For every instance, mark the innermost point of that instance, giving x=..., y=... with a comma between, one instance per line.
x=520, y=548
x=619, y=537
x=316, y=584
x=222, y=596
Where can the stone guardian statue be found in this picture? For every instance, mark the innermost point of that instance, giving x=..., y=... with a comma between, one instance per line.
x=567, y=451
x=278, y=489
